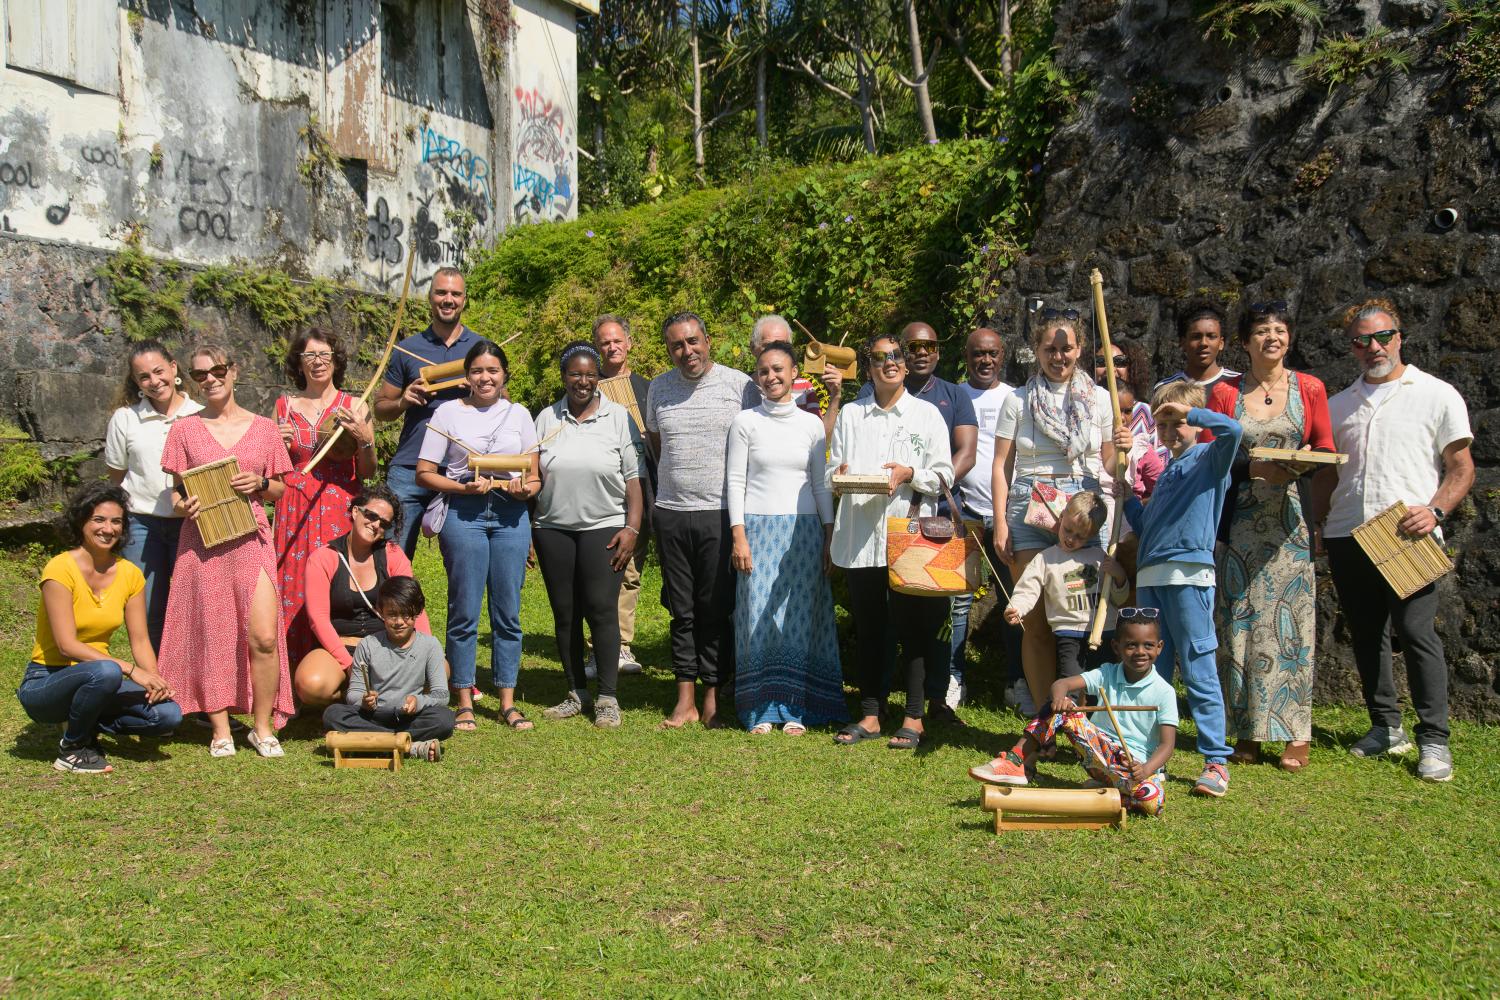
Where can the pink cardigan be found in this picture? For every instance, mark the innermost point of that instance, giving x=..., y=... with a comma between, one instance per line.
x=322, y=566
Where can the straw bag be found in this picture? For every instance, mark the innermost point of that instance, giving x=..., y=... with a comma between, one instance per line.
x=932, y=556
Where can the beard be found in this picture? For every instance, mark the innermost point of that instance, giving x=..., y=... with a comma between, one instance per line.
x=1381, y=368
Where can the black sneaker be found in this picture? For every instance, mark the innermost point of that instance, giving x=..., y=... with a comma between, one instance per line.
x=81, y=760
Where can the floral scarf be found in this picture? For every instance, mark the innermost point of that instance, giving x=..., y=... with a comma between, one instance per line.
x=1071, y=426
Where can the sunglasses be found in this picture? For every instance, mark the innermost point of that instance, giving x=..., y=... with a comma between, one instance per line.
x=1267, y=308
x=316, y=355
x=895, y=357
x=202, y=374
x=922, y=347
x=374, y=518
x=1381, y=337
x=1121, y=361
x=1139, y=614
x=1050, y=313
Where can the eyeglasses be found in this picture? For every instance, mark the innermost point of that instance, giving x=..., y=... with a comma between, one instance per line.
x=202, y=374
x=374, y=518
x=1050, y=313
x=1141, y=614
x=1267, y=308
x=921, y=347
x=1381, y=337
x=1121, y=361
x=895, y=357
x=317, y=355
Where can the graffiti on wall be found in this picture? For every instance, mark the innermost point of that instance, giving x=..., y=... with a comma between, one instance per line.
x=469, y=171
x=542, y=182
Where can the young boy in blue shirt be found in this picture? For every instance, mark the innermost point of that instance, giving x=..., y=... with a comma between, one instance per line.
x=1175, y=559
x=1150, y=736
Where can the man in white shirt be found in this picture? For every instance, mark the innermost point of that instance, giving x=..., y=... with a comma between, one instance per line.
x=1407, y=437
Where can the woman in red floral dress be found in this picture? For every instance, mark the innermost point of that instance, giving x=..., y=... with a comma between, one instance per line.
x=223, y=648
x=314, y=510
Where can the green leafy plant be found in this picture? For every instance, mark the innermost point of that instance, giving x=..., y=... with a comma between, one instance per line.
x=1346, y=58
x=1475, y=57
x=318, y=162
x=149, y=295
x=1228, y=20
x=22, y=471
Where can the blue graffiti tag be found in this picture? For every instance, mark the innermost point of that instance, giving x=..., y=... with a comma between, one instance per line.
x=457, y=159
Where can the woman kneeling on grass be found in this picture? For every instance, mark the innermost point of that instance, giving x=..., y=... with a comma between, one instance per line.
x=87, y=592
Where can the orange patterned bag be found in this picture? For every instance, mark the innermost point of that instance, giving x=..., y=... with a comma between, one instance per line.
x=932, y=556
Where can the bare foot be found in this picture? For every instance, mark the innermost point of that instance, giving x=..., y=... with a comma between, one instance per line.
x=679, y=718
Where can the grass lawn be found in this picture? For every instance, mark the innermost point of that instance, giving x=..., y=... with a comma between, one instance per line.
x=572, y=862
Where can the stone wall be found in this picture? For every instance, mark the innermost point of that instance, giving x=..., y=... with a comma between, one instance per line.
x=1197, y=167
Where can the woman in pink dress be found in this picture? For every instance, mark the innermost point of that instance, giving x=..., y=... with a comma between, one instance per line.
x=223, y=647
x=314, y=510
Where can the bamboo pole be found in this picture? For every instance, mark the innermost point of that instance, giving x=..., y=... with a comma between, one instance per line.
x=1122, y=462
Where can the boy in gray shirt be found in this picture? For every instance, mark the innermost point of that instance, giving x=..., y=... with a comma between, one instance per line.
x=397, y=683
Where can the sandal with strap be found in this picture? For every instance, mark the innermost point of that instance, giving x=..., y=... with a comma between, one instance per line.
x=1294, y=758
x=516, y=719
x=462, y=724
x=794, y=729
x=761, y=728
x=1246, y=752
x=906, y=738
x=854, y=733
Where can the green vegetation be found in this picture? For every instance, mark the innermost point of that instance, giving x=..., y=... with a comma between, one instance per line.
x=1227, y=20
x=571, y=862
x=1346, y=58
x=148, y=293
x=319, y=161
x=22, y=470
x=1476, y=56
x=1315, y=172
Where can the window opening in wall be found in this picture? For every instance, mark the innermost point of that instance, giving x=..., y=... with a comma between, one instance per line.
x=357, y=173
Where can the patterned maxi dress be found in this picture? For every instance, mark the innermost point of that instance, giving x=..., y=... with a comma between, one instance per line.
x=312, y=512
x=205, y=647
x=1266, y=595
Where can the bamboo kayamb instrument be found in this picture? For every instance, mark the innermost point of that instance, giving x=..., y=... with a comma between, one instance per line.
x=619, y=390
x=1408, y=564
x=846, y=483
x=1020, y=808
x=381, y=751
x=481, y=463
x=224, y=513
x=1122, y=462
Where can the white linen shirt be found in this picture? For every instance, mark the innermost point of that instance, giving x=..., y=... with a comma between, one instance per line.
x=865, y=437
x=1395, y=442
x=133, y=444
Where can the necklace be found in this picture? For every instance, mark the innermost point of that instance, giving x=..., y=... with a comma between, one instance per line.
x=1267, y=388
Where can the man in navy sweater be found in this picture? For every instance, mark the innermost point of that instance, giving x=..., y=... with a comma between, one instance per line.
x=1175, y=559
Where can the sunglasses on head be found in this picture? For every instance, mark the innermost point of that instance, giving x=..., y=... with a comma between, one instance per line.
x=1267, y=308
x=921, y=347
x=1121, y=361
x=374, y=518
x=883, y=357
x=1381, y=337
x=1050, y=313
x=1139, y=614
x=202, y=374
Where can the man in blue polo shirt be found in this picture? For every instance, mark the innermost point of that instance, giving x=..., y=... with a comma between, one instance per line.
x=920, y=342
x=404, y=394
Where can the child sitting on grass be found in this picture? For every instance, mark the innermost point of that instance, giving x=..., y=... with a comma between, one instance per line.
x=398, y=683
x=1150, y=736
x=1067, y=576
x=1175, y=560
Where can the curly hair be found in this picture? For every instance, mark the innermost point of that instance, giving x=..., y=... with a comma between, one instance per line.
x=1371, y=307
x=1194, y=310
x=130, y=391
x=380, y=491
x=1139, y=366
x=82, y=504
x=292, y=366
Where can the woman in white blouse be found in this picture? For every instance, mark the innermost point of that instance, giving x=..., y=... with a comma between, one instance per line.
x=896, y=434
x=1053, y=439
x=150, y=401
x=781, y=514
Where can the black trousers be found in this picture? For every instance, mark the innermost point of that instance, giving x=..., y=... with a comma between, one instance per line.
x=915, y=622
x=581, y=586
x=435, y=722
x=1370, y=606
x=697, y=589
x=1074, y=656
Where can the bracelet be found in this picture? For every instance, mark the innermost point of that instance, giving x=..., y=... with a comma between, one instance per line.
x=368, y=444
x=631, y=527
x=131, y=673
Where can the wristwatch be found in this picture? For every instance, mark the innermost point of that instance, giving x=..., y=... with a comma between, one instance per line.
x=265, y=484
x=1438, y=513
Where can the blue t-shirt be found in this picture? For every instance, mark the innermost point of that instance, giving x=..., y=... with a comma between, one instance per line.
x=1141, y=731
x=952, y=401
x=404, y=370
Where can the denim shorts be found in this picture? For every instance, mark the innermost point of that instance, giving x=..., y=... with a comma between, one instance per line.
x=1024, y=537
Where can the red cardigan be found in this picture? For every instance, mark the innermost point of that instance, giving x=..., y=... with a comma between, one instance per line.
x=1317, y=428
x=322, y=566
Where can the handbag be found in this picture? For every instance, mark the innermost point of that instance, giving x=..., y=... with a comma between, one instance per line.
x=1044, y=509
x=932, y=556
x=435, y=516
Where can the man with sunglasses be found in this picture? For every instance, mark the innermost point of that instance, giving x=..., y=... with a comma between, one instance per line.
x=1407, y=436
x=919, y=343
x=404, y=394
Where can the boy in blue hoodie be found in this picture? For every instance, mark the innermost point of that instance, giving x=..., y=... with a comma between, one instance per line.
x=1175, y=559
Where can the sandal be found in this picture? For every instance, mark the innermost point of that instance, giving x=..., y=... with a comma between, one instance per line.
x=1294, y=758
x=460, y=723
x=1246, y=752
x=794, y=729
x=429, y=750
x=761, y=728
x=516, y=719
x=854, y=733
x=906, y=738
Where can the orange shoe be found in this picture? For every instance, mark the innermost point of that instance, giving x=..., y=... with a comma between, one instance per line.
x=1006, y=769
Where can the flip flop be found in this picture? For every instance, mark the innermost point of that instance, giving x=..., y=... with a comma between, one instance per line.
x=854, y=733
x=912, y=738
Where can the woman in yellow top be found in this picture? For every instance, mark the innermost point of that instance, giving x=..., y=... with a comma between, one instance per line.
x=87, y=592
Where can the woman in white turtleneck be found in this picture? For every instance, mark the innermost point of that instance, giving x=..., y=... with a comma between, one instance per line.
x=781, y=512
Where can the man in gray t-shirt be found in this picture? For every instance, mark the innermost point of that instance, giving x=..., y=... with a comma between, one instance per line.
x=688, y=413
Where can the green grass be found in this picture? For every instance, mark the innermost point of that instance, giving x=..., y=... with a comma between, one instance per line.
x=572, y=862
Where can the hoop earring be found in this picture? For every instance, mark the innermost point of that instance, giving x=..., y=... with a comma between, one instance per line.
x=177, y=381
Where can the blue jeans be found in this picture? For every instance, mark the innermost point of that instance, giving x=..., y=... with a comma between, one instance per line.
x=402, y=479
x=152, y=545
x=484, y=543
x=1187, y=620
x=91, y=697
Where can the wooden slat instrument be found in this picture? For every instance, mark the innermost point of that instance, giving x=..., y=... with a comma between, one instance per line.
x=1294, y=456
x=619, y=390
x=1408, y=564
x=224, y=513
x=847, y=483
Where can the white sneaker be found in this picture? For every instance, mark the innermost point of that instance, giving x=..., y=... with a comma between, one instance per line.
x=1018, y=696
x=957, y=692
x=628, y=663
x=1436, y=763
